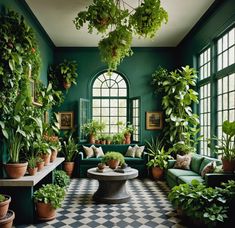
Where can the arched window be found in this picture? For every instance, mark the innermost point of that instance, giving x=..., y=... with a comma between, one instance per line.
x=109, y=100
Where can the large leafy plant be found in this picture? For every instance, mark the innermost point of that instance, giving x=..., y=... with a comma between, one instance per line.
x=178, y=97
x=112, y=155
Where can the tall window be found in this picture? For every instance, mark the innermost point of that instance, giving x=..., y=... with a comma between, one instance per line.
x=204, y=99
x=109, y=101
x=135, y=106
x=216, y=87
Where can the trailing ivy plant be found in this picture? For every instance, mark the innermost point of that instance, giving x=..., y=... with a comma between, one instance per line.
x=117, y=21
x=148, y=18
x=115, y=47
x=178, y=98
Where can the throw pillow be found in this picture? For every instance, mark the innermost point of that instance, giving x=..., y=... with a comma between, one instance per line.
x=182, y=162
x=139, y=151
x=98, y=151
x=130, y=152
x=209, y=168
x=89, y=151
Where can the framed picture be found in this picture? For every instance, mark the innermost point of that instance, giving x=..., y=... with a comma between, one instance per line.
x=65, y=120
x=33, y=93
x=154, y=120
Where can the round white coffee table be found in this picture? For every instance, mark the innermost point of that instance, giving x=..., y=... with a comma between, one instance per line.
x=112, y=185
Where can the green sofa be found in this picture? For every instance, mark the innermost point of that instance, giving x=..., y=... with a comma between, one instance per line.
x=138, y=163
x=198, y=162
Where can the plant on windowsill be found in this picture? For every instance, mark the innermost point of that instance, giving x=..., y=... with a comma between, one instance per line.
x=226, y=146
x=158, y=158
x=48, y=198
x=113, y=159
x=128, y=131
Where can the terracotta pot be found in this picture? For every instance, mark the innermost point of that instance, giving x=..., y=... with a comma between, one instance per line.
x=91, y=139
x=4, y=206
x=32, y=171
x=53, y=155
x=7, y=221
x=113, y=164
x=108, y=142
x=103, y=142
x=127, y=138
x=157, y=173
x=16, y=170
x=97, y=141
x=46, y=158
x=66, y=85
x=45, y=211
x=40, y=165
x=68, y=168
x=228, y=166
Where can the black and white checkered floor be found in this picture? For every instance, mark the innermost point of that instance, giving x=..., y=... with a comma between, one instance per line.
x=147, y=208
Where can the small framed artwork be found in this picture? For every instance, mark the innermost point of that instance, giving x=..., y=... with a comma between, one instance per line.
x=33, y=93
x=65, y=120
x=154, y=120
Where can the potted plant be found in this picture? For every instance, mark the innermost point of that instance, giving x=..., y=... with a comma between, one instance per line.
x=128, y=131
x=43, y=150
x=39, y=163
x=148, y=17
x=61, y=178
x=7, y=221
x=108, y=139
x=69, y=151
x=48, y=198
x=113, y=159
x=92, y=128
x=157, y=158
x=32, y=166
x=226, y=146
x=118, y=138
x=4, y=205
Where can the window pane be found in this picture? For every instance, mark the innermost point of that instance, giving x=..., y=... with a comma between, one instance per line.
x=231, y=55
x=231, y=37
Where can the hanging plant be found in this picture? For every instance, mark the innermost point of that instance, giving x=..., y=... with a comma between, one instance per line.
x=100, y=15
x=148, y=18
x=116, y=47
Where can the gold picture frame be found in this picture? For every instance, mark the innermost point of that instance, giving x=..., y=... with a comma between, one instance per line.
x=65, y=120
x=154, y=120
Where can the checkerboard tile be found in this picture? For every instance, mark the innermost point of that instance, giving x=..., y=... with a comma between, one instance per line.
x=147, y=208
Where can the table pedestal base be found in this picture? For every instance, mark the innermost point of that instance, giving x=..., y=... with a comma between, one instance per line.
x=111, y=192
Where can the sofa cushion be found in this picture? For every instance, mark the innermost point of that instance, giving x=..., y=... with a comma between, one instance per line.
x=183, y=162
x=209, y=168
x=207, y=160
x=175, y=173
x=89, y=151
x=98, y=151
x=130, y=151
x=188, y=179
x=91, y=161
x=196, y=162
x=139, y=151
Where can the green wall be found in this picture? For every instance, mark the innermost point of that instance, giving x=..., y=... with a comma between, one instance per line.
x=45, y=45
x=137, y=69
x=218, y=18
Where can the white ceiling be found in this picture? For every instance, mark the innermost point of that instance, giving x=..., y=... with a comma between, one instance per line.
x=56, y=17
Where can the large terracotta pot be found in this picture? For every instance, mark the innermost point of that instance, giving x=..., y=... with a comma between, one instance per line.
x=127, y=138
x=113, y=164
x=228, y=166
x=68, y=168
x=45, y=211
x=32, y=171
x=4, y=206
x=53, y=155
x=7, y=221
x=157, y=173
x=16, y=170
x=46, y=158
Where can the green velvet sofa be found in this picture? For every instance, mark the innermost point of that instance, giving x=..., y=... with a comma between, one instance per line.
x=138, y=163
x=198, y=162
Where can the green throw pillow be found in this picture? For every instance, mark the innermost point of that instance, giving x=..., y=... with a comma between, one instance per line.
x=196, y=162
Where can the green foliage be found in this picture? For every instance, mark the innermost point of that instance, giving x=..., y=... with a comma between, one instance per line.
x=178, y=97
x=207, y=204
x=115, y=47
x=112, y=155
x=226, y=145
x=93, y=127
x=118, y=138
x=32, y=162
x=61, y=178
x=50, y=194
x=69, y=148
x=2, y=198
x=40, y=146
x=65, y=71
x=157, y=155
x=148, y=17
